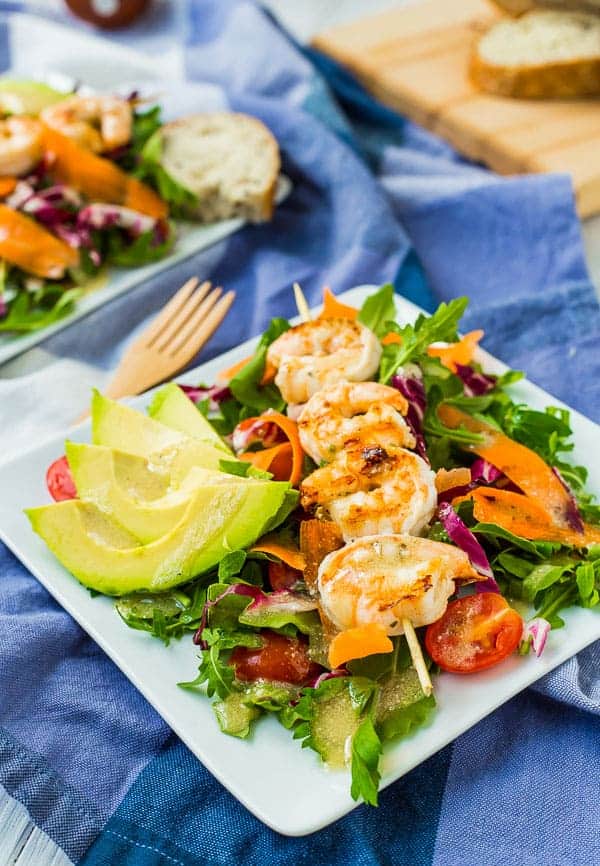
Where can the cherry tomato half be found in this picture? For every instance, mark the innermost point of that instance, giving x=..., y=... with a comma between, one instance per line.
x=476, y=632
x=59, y=480
x=283, y=576
x=283, y=659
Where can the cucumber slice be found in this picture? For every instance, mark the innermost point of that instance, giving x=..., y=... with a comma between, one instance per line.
x=234, y=716
x=334, y=723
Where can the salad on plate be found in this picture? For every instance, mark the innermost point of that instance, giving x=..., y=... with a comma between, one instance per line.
x=353, y=511
x=92, y=180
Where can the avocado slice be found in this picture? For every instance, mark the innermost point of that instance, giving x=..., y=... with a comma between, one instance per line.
x=27, y=97
x=130, y=491
x=118, y=426
x=107, y=558
x=173, y=408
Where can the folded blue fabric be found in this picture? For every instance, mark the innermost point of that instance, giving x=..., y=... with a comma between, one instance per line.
x=375, y=199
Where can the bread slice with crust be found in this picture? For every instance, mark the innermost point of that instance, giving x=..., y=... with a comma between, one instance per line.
x=230, y=162
x=517, y=7
x=542, y=55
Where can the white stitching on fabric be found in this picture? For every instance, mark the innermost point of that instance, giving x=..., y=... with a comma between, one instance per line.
x=149, y=847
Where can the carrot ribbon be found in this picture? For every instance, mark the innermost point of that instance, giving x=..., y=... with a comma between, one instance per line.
x=356, y=643
x=284, y=460
x=460, y=353
x=543, y=508
x=97, y=178
x=29, y=246
x=290, y=554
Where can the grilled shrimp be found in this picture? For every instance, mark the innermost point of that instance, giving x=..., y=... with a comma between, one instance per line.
x=382, y=579
x=370, y=490
x=351, y=413
x=319, y=353
x=20, y=145
x=99, y=123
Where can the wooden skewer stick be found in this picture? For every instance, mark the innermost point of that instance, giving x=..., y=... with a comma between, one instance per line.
x=409, y=631
x=417, y=656
x=301, y=303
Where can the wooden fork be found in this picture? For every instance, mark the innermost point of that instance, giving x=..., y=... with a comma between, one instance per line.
x=172, y=339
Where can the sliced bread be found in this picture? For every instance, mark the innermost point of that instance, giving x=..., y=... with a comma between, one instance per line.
x=230, y=162
x=517, y=7
x=542, y=55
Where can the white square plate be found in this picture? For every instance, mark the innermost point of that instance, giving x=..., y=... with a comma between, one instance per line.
x=258, y=771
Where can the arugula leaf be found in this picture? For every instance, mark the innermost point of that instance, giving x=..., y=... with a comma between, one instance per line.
x=440, y=326
x=403, y=719
x=215, y=673
x=378, y=310
x=231, y=565
x=289, y=504
x=33, y=311
x=492, y=532
x=125, y=253
x=246, y=387
x=366, y=752
x=235, y=467
x=587, y=577
x=164, y=615
x=145, y=124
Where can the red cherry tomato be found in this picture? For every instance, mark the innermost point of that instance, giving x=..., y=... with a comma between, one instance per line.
x=476, y=632
x=283, y=659
x=59, y=480
x=283, y=576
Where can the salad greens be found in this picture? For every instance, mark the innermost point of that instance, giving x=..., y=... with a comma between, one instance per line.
x=103, y=234
x=150, y=170
x=236, y=611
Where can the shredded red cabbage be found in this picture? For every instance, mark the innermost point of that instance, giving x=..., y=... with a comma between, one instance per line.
x=327, y=675
x=255, y=431
x=104, y=216
x=475, y=384
x=482, y=473
x=572, y=513
x=215, y=395
x=462, y=536
x=535, y=634
x=413, y=389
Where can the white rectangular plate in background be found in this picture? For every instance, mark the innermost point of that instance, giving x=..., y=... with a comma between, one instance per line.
x=282, y=784
x=191, y=238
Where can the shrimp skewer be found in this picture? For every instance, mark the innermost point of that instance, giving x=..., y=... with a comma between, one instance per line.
x=380, y=424
x=321, y=352
x=370, y=490
x=392, y=581
x=21, y=145
x=98, y=123
x=350, y=413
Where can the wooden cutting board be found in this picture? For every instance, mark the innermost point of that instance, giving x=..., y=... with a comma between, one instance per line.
x=416, y=60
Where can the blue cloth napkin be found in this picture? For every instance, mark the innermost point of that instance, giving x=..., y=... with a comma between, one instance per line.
x=375, y=199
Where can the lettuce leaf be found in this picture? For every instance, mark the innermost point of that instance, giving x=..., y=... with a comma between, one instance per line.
x=246, y=387
x=150, y=170
x=378, y=310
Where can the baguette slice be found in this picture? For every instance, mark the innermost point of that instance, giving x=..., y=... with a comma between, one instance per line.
x=542, y=55
x=230, y=162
